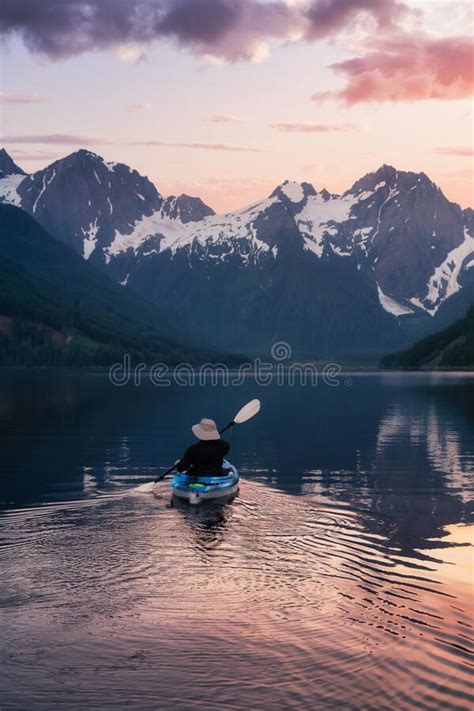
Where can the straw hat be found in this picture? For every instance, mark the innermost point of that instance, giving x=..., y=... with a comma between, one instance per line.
x=206, y=429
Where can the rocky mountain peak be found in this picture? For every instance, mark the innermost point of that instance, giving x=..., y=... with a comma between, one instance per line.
x=293, y=192
x=326, y=195
x=386, y=172
x=386, y=175
x=84, y=153
x=390, y=178
x=85, y=162
x=8, y=165
x=83, y=199
x=186, y=208
x=393, y=230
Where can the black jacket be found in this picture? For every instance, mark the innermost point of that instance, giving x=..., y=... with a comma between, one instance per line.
x=204, y=458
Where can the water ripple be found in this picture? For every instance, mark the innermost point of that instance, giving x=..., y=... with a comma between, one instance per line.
x=122, y=600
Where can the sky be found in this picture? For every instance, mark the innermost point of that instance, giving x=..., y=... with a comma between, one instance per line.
x=225, y=99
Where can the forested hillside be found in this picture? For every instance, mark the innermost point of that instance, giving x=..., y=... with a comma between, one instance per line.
x=55, y=309
x=451, y=348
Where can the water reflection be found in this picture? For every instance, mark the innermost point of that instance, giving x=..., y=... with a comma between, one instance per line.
x=401, y=446
x=339, y=578
x=274, y=602
x=208, y=523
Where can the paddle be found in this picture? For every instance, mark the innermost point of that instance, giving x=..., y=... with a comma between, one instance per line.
x=244, y=414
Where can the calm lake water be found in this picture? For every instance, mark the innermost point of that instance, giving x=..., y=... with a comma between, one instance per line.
x=339, y=578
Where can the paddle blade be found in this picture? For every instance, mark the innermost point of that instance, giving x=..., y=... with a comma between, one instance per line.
x=247, y=411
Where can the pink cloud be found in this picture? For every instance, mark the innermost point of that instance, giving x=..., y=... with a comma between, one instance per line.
x=303, y=127
x=86, y=140
x=225, y=118
x=58, y=138
x=19, y=154
x=230, y=147
x=20, y=98
x=455, y=151
x=140, y=107
x=408, y=68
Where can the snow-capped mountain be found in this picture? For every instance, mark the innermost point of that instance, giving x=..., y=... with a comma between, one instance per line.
x=399, y=226
x=352, y=272
x=11, y=176
x=85, y=201
x=415, y=241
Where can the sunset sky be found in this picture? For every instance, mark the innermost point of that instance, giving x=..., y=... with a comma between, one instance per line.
x=225, y=99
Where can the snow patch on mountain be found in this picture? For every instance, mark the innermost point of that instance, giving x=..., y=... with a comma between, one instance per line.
x=312, y=246
x=444, y=281
x=46, y=182
x=176, y=235
x=364, y=195
x=392, y=193
x=8, y=189
x=362, y=234
x=293, y=191
x=392, y=306
x=230, y=228
x=319, y=216
x=340, y=251
x=90, y=239
x=148, y=226
x=421, y=305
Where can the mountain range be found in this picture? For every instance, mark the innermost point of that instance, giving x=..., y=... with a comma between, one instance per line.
x=370, y=270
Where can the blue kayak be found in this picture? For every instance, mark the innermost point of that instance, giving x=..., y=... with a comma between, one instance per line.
x=205, y=488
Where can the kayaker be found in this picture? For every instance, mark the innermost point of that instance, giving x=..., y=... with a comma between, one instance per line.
x=205, y=458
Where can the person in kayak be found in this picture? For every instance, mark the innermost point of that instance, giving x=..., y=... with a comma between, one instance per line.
x=206, y=457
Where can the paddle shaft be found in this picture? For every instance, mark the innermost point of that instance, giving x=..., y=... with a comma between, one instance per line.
x=227, y=427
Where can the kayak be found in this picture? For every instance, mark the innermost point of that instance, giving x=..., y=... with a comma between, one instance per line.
x=206, y=488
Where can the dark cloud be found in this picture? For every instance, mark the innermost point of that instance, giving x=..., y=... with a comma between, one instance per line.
x=60, y=28
x=227, y=29
x=202, y=21
x=327, y=17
